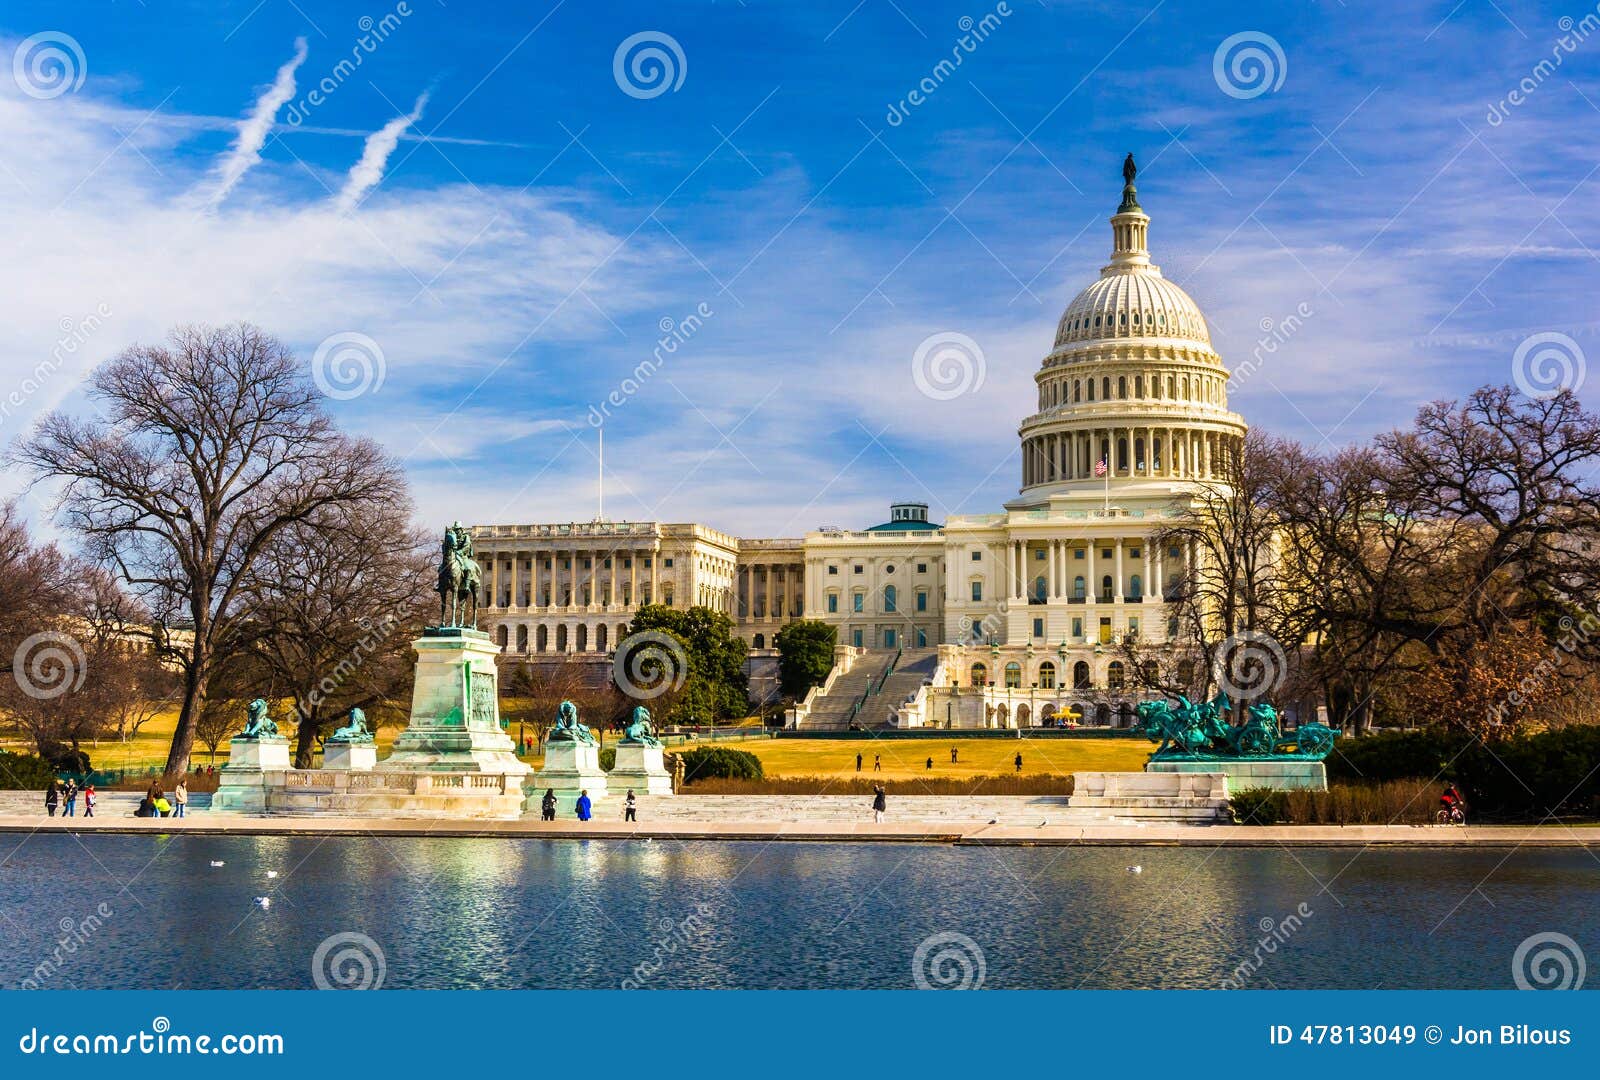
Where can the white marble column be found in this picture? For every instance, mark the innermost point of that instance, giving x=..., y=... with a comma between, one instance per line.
x=1118, y=592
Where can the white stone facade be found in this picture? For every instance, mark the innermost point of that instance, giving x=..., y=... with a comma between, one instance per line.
x=1030, y=603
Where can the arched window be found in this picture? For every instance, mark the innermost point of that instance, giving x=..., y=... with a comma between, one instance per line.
x=1080, y=676
x=502, y=634
x=1105, y=388
x=601, y=637
x=1039, y=590
x=1077, y=391
x=1077, y=587
x=541, y=638
x=583, y=638
x=1106, y=592
x=1135, y=587
x=888, y=598
x=1014, y=675
x=1122, y=455
x=980, y=674
x=1047, y=676
x=1114, y=676
x=561, y=638
x=1122, y=386
x=1138, y=454
x=1186, y=674
x=1091, y=389
x=522, y=638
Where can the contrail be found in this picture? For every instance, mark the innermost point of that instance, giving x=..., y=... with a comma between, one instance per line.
x=375, y=155
x=246, y=151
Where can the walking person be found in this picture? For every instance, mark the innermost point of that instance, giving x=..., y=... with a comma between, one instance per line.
x=584, y=807
x=858, y=762
x=52, y=798
x=88, y=800
x=180, y=799
x=954, y=754
x=880, y=803
x=930, y=763
x=1018, y=761
x=69, y=799
x=630, y=808
x=547, y=806
x=877, y=762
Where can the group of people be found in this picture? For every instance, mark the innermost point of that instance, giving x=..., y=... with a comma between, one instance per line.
x=585, y=806
x=955, y=759
x=156, y=804
x=64, y=796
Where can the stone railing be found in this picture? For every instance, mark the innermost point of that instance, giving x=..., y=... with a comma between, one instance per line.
x=336, y=780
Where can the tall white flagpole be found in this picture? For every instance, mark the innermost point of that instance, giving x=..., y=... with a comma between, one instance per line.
x=602, y=508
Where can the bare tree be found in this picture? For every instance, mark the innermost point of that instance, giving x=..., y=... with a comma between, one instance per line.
x=205, y=449
x=533, y=691
x=336, y=601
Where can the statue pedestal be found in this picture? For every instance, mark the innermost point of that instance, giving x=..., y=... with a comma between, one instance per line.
x=569, y=768
x=351, y=756
x=641, y=768
x=1278, y=774
x=254, y=766
x=455, y=709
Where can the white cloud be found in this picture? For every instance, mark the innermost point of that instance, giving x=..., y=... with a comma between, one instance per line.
x=366, y=173
x=253, y=130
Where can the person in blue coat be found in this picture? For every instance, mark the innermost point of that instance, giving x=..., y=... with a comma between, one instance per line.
x=584, y=805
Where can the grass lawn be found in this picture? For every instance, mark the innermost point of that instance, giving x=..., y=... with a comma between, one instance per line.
x=906, y=759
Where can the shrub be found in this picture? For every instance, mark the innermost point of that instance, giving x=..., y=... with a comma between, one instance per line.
x=1257, y=806
x=24, y=771
x=608, y=758
x=1394, y=755
x=1005, y=784
x=719, y=762
x=1392, y=802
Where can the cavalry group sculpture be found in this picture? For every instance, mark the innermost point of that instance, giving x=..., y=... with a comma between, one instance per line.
x=1191, y=732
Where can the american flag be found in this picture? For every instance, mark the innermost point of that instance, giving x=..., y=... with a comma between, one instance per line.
x=1100, y=467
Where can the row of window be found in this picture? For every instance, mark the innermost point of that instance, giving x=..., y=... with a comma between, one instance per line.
x=1207, y=390
x=858, y=568
x=588, y=563
x=891, y=601
x=1044, y=677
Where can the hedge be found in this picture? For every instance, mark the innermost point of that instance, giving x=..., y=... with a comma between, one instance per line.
x=24, y=771
x=720, y=763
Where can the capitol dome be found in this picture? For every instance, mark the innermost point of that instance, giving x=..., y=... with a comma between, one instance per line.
x=1132, y=398
x=1131, y=302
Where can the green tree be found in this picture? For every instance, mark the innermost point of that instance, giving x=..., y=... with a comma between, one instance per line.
x=685, y=664
x=805, y=655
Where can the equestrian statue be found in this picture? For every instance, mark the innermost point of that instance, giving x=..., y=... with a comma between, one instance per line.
x=460, y=579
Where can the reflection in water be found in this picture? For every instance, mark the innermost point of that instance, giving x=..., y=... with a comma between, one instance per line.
x=500, y=913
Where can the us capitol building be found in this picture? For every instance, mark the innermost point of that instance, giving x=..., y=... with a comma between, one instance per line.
x=988, y=620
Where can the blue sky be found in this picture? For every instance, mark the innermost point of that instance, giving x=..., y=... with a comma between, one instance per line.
x=514, y=252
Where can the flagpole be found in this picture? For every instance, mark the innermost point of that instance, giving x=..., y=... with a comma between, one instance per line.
x=1108, y=489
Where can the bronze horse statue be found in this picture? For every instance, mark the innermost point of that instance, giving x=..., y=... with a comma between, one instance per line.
x=460, y=578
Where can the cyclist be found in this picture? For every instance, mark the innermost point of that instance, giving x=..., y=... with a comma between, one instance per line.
x=1451, y=807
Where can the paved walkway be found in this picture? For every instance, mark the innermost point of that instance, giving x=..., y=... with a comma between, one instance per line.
x=830, y=831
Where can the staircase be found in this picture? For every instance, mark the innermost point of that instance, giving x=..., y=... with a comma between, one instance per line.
x=875, y=685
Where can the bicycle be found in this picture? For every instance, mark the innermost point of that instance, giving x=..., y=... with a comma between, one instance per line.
x=1452, y=815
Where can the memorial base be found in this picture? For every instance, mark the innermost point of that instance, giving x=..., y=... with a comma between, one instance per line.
x=640, y=768
x=352, y=757
x=570, y=768
x=1196, y=798
x=455, y=715
x=1243, y=774
x=254, y=767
